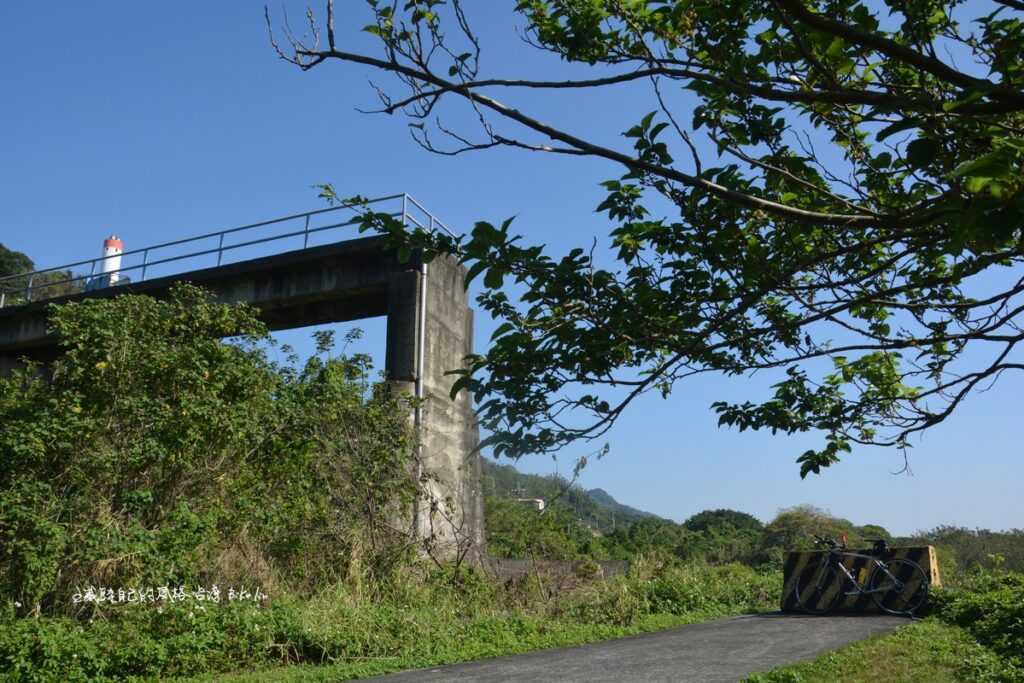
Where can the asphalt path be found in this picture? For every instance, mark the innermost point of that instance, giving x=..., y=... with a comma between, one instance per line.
x=723, y=650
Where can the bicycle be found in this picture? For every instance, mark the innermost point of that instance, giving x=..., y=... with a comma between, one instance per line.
x=897, y=586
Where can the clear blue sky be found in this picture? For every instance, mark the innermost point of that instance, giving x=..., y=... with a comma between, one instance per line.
x=162, y=120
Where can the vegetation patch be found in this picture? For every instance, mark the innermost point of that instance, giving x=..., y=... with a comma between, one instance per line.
x=155, y=463
x=923, y=652
x=422, y=618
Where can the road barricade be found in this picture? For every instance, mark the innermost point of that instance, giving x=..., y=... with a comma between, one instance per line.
x=805, y=561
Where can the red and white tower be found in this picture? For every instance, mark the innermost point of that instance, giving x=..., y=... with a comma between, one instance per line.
x=112, y=249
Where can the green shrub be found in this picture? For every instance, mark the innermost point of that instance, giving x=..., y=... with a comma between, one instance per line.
x=675, y=590
x=175, y=639
x=990, y=606
x=920, y=651
x=172, y=457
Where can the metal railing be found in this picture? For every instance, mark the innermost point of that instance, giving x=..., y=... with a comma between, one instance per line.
x=405, y=207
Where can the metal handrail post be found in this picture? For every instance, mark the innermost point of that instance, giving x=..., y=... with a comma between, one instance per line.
x=405, y=208
x=305, y=238
x=28, y=287
x=145, y=262
x=220, y=249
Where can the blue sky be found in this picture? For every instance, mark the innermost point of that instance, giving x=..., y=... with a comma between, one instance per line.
x=158, y=121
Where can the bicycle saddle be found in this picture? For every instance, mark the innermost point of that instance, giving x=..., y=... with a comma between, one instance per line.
x=881, y=546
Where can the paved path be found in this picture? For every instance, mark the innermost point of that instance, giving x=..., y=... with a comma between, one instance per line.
x=723, y=650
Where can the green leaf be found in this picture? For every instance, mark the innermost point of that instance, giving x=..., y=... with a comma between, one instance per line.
x=657, y=129
x=995, y=164
x=460, y=384
x=494, y=278
x=836, y=47
x=475, y=270
x=976, y=184
x=922, y=151
x=894, y=128
x=502, y=329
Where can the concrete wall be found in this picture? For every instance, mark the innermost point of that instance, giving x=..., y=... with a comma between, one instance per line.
x=429, y=330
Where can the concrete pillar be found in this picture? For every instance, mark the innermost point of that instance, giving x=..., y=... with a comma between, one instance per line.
x=433, y=308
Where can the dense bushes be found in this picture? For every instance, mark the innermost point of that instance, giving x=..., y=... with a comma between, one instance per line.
x=713, y=536
x=961, y=549
x=517, y=531
x=990, y=606
x=156, y=454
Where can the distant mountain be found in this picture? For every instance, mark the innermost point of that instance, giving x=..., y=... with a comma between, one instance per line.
x=596, y=507
x=604, y=499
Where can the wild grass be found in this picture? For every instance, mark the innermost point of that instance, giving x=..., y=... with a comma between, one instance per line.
x=436, y=618
x=929, y=651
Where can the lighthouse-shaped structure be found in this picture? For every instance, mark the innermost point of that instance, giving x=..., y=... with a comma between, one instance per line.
x=112, y=249
x=110, y=266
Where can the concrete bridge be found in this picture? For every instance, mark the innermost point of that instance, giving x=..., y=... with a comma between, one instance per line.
x=429, y=330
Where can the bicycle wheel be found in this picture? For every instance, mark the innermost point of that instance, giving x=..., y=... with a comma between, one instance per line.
x=899, y=587
x=818, y=586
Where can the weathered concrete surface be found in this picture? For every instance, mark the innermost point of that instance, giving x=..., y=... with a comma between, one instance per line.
x=340, y=282
x=724, y=650
x=452, y=513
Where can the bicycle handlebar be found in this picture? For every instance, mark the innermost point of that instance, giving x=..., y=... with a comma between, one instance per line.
x=880, y=543
x=822, y=540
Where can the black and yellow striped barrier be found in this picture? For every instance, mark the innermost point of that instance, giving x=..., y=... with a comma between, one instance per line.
x=798, y=563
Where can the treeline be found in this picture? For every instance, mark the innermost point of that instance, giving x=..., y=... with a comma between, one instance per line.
x=14, y=264
x=962, y=549
x=715, y=536
x=578, y=525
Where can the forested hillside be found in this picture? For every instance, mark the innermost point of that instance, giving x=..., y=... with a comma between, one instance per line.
x=595, y=508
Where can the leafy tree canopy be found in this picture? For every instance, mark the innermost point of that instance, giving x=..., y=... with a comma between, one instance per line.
x=44, y=285
x=717, y=518
x=796, y=527
x=13, y=263
x=827, y=188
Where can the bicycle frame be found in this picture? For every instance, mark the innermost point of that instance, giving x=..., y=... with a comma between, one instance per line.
x=834, y=557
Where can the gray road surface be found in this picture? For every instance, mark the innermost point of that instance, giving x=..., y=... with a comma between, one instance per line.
x=723, y=650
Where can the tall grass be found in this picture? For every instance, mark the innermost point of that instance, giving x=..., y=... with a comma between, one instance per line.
x=421, y=618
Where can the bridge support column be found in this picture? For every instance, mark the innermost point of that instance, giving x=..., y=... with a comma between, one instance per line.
x=429, y=331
